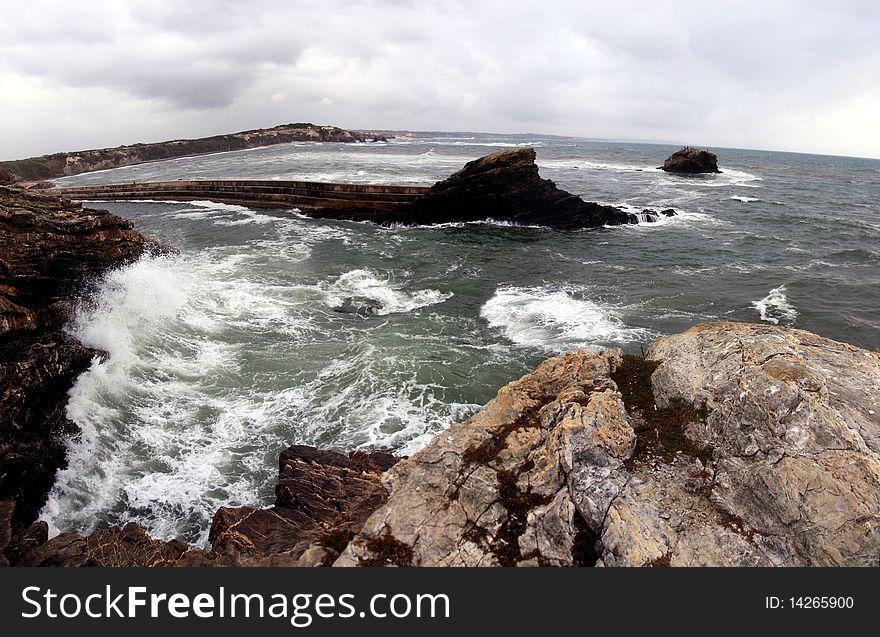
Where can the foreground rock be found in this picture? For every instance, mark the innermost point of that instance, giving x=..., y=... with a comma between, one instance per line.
x=504, y=186
x=691, y=161
x=322, y=499
x=48, y=246
x=753, y=445
x=730, y=445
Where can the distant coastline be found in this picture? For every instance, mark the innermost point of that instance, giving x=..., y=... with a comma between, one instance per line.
x=74, y=163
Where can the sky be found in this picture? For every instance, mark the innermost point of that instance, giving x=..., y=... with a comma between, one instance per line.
x=797, y=75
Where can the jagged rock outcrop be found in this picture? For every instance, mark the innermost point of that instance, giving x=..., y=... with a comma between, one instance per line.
x=322, y=499
x=7, y=177
x=48, y=246
x=690, y=160
x=503, y=186
x=321, y=496
x=744, y=445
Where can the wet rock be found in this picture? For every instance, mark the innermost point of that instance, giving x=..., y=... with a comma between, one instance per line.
x=360, y=306
x=6, y=509
x=322, y=499
x=20, y=546
x=690, y=160
x=48, y=246
x=321, y=496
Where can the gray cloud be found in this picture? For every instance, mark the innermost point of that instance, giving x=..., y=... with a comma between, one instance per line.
x=795, y=75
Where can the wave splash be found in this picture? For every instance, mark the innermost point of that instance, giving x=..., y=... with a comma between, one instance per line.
x=178, y=420
x=556, y=318
x=366, y=291
x=775, y=307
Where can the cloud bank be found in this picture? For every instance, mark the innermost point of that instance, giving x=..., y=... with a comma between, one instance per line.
x=789, y=75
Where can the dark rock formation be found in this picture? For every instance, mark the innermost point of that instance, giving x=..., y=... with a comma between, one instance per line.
x=504, y=186
x=322, y=499
x=6, y=509
x=128, y=546
x=731, y=445
x=359, y=305
x=690, y=160
x=47, y=247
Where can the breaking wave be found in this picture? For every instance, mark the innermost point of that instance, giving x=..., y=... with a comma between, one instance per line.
x=382, y=295
x=556, y=318
x=775, y=307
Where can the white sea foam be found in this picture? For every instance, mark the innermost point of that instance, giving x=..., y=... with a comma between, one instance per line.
x=556, y=318
x=775, y=307
x=728, y=177
x=216, y=205
x=170, y=431
x=743, y=198
x=388, y=295
x=374, y=400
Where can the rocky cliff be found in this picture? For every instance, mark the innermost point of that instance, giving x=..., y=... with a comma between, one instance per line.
x=64, y=164
x=48, y=246
x=729, y=445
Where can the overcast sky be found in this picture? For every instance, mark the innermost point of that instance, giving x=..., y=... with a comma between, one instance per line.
x=798, y=75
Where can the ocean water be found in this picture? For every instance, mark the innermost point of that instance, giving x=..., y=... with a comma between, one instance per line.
x=222, y=355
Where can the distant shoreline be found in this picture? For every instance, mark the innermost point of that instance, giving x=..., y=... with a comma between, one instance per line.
x=54, y=166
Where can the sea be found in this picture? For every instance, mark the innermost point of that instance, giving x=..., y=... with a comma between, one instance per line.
x=225, y=353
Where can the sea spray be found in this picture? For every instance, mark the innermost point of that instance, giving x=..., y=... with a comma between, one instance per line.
x=555, y=318
x=775, y=307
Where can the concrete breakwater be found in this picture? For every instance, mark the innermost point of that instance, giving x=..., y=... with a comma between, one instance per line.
x=304, y=195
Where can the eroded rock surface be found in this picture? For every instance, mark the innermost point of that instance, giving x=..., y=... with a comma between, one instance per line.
x=321, y=496
x=731, y=445
x=795, y=423
x=777, y=466
x=690, y=160
x=528, y=480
